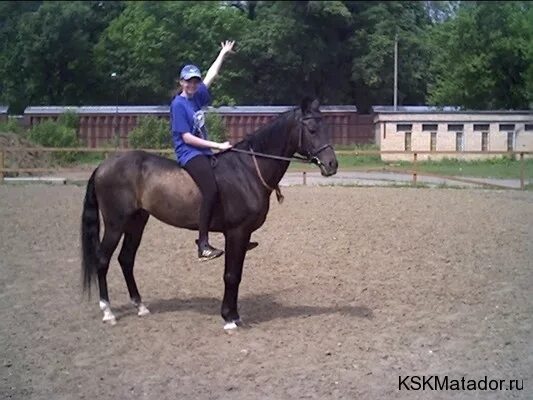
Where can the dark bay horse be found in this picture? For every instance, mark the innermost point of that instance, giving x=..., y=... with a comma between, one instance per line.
x=129, y=187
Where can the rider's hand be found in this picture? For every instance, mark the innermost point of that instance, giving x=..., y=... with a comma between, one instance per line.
x=227, y=47
x=224, y=146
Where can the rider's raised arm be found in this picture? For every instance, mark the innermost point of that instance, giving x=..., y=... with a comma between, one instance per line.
x=227, y=47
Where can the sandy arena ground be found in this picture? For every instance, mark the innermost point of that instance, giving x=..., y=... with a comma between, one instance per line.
x=349, y=289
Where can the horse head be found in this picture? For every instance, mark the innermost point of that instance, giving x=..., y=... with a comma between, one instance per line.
x=314, y=141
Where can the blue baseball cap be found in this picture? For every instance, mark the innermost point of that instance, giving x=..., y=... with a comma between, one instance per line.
x=190, y=71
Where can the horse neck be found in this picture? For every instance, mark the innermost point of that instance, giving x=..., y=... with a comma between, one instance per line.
x=282, y=141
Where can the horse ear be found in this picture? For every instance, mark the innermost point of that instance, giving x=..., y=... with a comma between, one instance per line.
x=306, y=105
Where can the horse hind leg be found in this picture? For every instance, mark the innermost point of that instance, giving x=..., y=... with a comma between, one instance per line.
x=132, y=238
x=107, y=247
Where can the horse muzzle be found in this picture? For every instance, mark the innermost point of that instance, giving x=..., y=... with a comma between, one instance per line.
x=326, y=169
x=326, y=160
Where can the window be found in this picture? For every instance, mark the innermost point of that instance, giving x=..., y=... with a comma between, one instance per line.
x=529, y=127
x=481, y=127
x=484, y=141
x=506, y=127
x=429, y=127
x=459, y=141
x=407, y=141
x=404, y=127
x=433, y=143
x=455, y=127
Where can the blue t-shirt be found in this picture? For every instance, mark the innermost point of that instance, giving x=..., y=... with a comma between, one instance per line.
x=186, y=115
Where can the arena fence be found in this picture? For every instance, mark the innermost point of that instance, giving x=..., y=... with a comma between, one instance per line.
x=414, y=169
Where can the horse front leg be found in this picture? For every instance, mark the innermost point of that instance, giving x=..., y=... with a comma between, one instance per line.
x=236, y=245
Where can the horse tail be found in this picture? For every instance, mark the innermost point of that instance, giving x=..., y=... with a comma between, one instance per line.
x=90, y=235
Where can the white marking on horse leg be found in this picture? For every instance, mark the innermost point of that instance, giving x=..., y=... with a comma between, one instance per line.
x=108, y=314
x=232, y=325
x=142, y=310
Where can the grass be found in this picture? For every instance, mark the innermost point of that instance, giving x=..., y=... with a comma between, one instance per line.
x=347, y=162
x=90, y=158
x=502, y=167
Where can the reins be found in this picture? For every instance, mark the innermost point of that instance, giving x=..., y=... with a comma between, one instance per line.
x=306, y=160
x=279, y=196
x=253, y=153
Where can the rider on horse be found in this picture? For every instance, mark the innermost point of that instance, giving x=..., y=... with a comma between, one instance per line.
x=191, y=144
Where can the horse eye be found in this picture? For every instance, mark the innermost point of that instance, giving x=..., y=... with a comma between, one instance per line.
x=312, y=128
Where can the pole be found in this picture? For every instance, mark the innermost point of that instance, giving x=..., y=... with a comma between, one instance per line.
x=396, y=72
x=114, y=76
x=1, y=166
x=117, y=140
x=522, y=172
x=304, y=176
x=414, y=169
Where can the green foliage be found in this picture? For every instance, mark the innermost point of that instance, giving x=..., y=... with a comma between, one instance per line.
x=11, y=126
x=151, y=133
x=149, y=42
x=47, y=57
x=372, y=49
x=483, y=58
x=215, y=127
x=70, y=119
x=495, y=167
x=471, y=54
x=55, y=134
x=154, y=133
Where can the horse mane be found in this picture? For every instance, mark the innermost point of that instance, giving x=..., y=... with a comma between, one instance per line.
x=264, y=136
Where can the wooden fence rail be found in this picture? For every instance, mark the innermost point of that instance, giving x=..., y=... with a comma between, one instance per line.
x=414, y=171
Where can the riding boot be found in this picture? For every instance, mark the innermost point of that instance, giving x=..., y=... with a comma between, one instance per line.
x=207, y=252
x=250, y=246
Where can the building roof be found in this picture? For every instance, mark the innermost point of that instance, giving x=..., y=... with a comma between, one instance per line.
x=441, y=110
x=277, y=109
x=54, y=110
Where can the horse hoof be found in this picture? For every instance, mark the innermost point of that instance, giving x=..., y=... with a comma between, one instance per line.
x=111, y=320
x=143, y=310
x=230, y=326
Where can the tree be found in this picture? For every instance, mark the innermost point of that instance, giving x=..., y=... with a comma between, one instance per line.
x=440, y=11
x=474, y=54
x=48, y=58
x=10, y=80
x=372, y=48
x=294, y=49
x=150, y=41
x=484, y=57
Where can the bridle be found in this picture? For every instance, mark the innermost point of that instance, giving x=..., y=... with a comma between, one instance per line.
x=311, y=157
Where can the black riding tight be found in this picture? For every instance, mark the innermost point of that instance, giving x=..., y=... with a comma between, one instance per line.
x=201, y=172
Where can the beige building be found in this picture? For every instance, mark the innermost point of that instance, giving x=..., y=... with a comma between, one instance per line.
x=431, y=129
